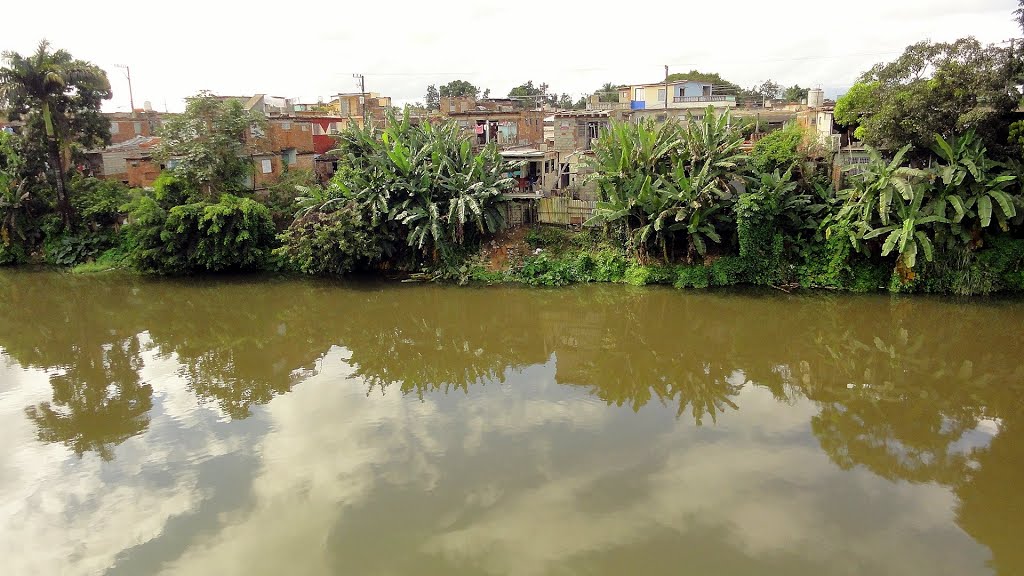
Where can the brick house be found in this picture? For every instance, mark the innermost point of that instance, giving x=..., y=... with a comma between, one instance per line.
x=497, y=121
x=125, y=126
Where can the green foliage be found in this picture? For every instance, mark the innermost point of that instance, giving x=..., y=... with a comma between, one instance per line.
x=692, y=276
x=935, y=88
x=641, y=275
x=575, y=266
x=12, y=253
x=456, y=88
x=667, y=185
x=231, y=234
x=98, y=202
x=112, y=259
x=795, y=93
x=779, y=150
x=549, y=237
x=281, y=194
x=210, y=144
x=329, y=243
x=69, y=250
x=420, y=188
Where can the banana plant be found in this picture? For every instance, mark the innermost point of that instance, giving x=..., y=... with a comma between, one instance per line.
x=882, y=181
x=909, y=236
x=972, y=185
x=693, y=201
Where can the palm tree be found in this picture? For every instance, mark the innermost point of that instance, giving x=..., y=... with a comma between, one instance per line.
x=52, y=85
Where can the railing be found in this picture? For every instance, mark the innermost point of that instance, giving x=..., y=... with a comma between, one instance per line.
x=713, y=98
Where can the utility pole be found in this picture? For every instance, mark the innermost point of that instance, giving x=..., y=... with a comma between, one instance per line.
x=128, y=75
x=666, y=86
x=362, y=96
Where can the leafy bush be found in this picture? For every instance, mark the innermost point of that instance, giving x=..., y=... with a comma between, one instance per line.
x=692, y=276
x=12, y=253
x=329, y=243
x=639, y=275
x=668, y=185
x=97, y=202
x=69, y=250
x=232, y=234
x=549, y=237
x=779, y=150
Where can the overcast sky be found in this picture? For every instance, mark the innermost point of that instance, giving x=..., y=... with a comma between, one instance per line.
x=307, y=50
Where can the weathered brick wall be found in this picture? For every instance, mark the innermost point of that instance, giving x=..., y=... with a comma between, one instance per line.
x=142, y=172
x=288, y=133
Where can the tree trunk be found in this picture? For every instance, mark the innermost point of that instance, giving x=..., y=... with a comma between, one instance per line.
x=63, y=202
x=53, y=155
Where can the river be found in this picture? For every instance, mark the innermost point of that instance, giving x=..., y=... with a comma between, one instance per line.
x=264, y=427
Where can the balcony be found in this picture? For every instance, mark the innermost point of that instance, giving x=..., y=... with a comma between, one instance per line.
x=703, y=99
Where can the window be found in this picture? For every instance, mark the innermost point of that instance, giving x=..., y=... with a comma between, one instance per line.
x=267, y=166
x=344, y=107
x=115, y=127
x=638, y=94
x=290, y=156
x=305, y=127
x=661, y=94
x=286, y=125
x=138, y=128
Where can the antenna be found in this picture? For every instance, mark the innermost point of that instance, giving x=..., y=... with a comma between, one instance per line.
x=128, y=75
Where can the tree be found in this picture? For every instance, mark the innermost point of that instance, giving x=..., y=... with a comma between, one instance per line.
x=713, y=78
x=433, y=98
x=608, y=92
x=487, y=93
x=935, y=88
x=795, y=93
x=1018, y=14
x=59, y=99
x=531, y=96
x=458, y=88
x=211, y=142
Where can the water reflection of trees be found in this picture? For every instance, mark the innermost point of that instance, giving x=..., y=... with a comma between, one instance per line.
x=897, y=384
x=74, y=330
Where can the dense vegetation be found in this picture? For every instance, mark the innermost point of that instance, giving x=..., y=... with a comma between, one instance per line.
x=682, y=205
x=938, y=207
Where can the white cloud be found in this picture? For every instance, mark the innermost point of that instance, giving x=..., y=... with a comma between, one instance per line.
x=178, y=49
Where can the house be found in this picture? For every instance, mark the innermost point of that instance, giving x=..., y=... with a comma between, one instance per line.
x=496, y=121
x=360, y=107
x=536, y=170
x=125, y=126
x=287, y=145
x=681, y=94
x=574, y=133
x=819, y=124
x=130, y=161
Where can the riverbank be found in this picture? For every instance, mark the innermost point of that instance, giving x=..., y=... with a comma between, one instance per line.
x=551, y=256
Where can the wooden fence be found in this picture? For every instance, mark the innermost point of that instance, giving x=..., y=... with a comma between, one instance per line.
x=564, y=211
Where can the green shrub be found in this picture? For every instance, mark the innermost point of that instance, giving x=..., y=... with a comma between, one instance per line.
x=329, y=243
x=778, y=150
x=97, y=202
x=12, y=253
x=541, y=270
x=112, y=259
x=549, y=237
x=72, y=249
x=639, y=275
x=231, y=234
x=727, y=271
x=692, y=276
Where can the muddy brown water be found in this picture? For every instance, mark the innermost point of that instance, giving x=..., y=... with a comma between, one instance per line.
x=263, y=427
